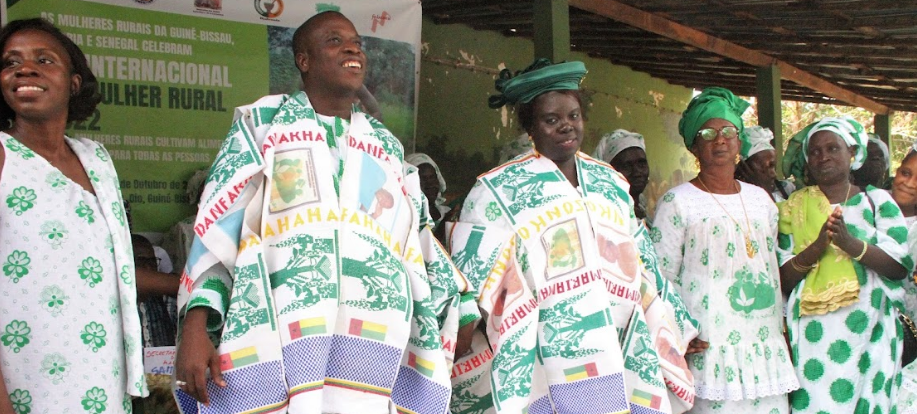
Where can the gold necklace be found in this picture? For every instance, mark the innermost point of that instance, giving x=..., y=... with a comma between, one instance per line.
x=749, y=248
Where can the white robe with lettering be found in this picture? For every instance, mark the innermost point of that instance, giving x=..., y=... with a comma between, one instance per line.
x=573, y=322
x=334, y=300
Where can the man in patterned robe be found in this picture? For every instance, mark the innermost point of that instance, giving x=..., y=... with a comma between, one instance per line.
x=313, y=263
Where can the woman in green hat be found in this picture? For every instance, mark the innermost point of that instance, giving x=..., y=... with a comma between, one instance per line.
x=716, y=238
x=574, y=319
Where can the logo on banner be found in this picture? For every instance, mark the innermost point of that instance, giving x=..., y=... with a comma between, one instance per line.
x=269, y=9
x=211, y=7
x=380, y=19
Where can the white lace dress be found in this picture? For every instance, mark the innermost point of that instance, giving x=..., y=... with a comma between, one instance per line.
x=735, y=298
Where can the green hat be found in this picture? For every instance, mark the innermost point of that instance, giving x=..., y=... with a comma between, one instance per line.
x=712, y=103
x=540, y=77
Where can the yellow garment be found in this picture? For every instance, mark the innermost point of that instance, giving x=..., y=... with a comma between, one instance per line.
x=832, y=283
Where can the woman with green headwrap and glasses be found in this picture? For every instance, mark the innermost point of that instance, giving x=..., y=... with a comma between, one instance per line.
x=715, y=237
x=573, y=317
x=843, y=254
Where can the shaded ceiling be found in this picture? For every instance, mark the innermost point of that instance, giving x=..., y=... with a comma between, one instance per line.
x=866, y=46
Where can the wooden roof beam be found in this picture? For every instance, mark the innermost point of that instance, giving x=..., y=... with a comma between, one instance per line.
x=650, y=22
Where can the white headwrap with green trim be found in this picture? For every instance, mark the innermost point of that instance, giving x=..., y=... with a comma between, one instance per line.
x=849, y=130
x=759, y=139
x=882, y=147
x=612, y=144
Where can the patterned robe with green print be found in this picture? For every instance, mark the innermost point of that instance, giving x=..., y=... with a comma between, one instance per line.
x=314, y=256
x=572, y=320
x=700, y=241
x=848, y=360
x=69, y=331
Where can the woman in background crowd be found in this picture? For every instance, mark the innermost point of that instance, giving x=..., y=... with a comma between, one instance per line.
x=715, y=237
x=843, y=253
x=70, y=332
x=625, y=151
x=759, y=164
x=904, y=191
x=875, y=167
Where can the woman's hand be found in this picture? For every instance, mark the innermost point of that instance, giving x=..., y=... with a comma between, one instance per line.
x=824, y=235
x=195, y=354
x=697, y=346
x=837, y=231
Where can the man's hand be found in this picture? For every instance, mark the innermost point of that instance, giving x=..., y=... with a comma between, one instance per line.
x=195, y=354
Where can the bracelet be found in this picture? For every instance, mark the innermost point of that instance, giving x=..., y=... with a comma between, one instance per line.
x=800, y=268
x=863, y=253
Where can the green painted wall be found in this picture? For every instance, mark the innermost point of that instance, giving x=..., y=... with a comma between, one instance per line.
x=456, y=127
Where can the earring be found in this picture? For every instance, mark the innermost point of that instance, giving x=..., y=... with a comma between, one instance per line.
x=738, y=158
x=697, y=163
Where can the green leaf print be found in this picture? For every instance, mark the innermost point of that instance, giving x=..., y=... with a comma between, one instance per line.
x=17, y=335
x=17, y=147
x=54, y=233
x=730, y=249
x=93, y=335
x=118, y=211
x=698, y=361
x=730, y=374
x=751, y=292
x=53, y=299
x=100, y=153
x=55, y=367
x=704, y=257
x=56, y=181
x=493, y=211
x=763, y=333
x=91, y=271
x=22, y=401
x=85, y=212
x=17, y=265
x=95, y=401
x=93, y=176
x=127, y=275
x=655, y=235
x=734, y=337
x=21, y=200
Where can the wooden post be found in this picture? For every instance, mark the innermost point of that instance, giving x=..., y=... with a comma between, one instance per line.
x=883, y=127
x=552, y=29
x=770, y=114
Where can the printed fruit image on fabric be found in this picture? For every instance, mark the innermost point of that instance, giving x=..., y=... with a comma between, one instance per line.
x=293, y=181
x=564, y=248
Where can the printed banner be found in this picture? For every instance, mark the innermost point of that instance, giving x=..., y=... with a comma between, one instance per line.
x=172, y=71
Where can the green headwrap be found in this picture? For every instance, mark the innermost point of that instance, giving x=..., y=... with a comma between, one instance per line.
x=853, y=134
x=540, y=77
x=712, y=103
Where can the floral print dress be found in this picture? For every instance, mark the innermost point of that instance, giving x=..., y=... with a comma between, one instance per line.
x=62, y=332
x=847, y=360
x=735, y=298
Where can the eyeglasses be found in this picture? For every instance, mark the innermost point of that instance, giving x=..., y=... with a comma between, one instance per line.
x=710, y=134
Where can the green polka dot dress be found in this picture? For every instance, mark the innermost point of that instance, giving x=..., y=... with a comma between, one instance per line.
x=907, y=393
x=65, y=307
x=847, y=360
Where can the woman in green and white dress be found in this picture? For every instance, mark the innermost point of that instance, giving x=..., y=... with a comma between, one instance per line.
x=715, y=238
x=904, y=191
x=69, y=330
x=843, y=253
